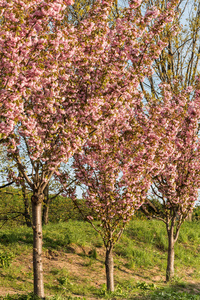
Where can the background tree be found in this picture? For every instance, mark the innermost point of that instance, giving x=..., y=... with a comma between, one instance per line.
x=115, y=168
x=178, y=66
x=176, y=186
x=103, y=171
x=180, y=59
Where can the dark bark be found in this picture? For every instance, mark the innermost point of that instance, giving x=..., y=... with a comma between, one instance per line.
x=45, y=211
x=170, y=257
x=37, y=200
x=109, y=269
x=45, y=214
x=26, y=213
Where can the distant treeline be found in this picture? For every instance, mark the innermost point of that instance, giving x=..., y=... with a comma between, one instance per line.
x=14, y=208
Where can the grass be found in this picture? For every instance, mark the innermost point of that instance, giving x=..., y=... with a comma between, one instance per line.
x=74, y=262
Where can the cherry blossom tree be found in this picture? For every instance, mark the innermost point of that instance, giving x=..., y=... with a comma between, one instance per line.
x=176, y=185
x=61, y=82
x=180, y=58
x=115, y=168
x=101, y=169
x=177, y=66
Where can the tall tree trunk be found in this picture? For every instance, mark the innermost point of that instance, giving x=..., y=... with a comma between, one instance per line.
x=45, y=211
x=37, y=200
x=170, y=257
x=109, y=269
x=26, y=206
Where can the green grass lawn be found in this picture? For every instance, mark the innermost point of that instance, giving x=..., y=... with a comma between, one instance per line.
x=74, y=262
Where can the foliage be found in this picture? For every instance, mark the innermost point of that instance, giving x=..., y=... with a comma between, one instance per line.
x=62, y=209
x=196, y=213
x=11, y=206
x=5, y=259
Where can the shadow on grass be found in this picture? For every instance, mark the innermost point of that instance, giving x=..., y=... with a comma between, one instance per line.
x=149, y=291
x=20, y=297
x=34, y=297
x=56, y=243
x=14, y=238
x=27, y=239
x=179, y=291
x=144, y=292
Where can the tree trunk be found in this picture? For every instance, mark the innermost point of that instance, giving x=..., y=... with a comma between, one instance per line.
x=26, y=207
x=170, y=258
x=37, y=244
x=45, y=211
x=109, y=269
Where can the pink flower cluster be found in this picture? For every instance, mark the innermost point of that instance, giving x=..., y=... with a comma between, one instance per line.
x=178, y=182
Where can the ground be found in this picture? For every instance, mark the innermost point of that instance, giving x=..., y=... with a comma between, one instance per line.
x=79, y=268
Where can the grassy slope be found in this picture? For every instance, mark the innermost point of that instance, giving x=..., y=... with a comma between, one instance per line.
x=74, y=262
